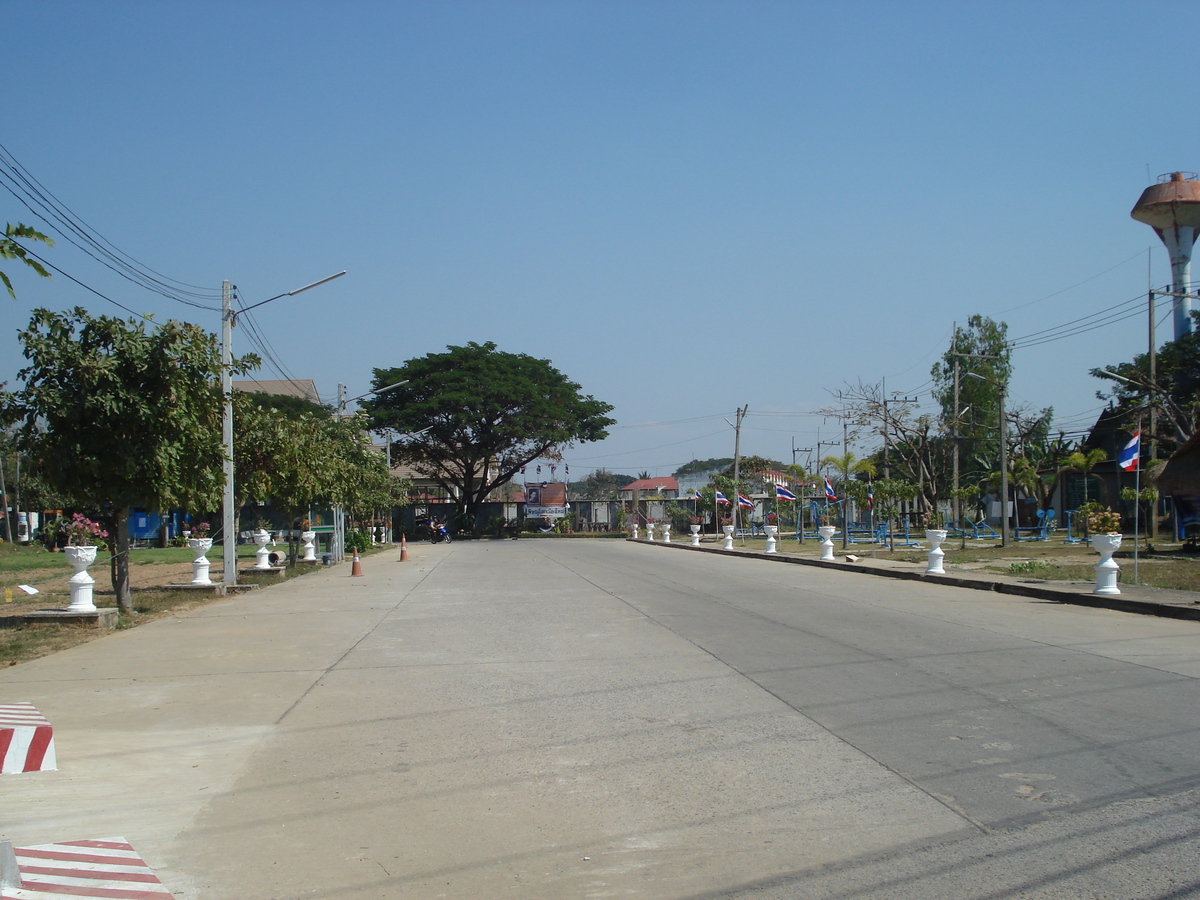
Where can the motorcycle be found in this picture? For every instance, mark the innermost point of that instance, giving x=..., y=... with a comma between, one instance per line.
x=439, y=534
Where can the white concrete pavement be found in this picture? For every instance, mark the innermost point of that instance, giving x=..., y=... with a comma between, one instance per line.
x=476, y=722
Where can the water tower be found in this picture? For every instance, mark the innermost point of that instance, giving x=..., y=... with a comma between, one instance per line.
x=1172, y=209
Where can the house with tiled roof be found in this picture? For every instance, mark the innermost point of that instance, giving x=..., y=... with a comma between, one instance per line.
x=667, y=488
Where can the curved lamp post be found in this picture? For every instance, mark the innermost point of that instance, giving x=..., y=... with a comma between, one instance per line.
x=228, y=320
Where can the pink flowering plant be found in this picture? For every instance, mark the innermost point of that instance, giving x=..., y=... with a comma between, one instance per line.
x=83, y=532
x=201, y=530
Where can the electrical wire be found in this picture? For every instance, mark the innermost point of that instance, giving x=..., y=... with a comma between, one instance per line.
x=648, y=449
x=64, y=222
x=50, y=265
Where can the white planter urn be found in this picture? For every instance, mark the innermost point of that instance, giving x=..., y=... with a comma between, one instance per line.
x=1106, y=570
x=262, y=554
x=727, y=530
x=199, y=547
x=635, y=531
x=936, y=537
x=310, y=546
x=650, y=531
x=827, y=532
x=695, y=530
x=81, y=582
x=665, y=527
x=771, y=531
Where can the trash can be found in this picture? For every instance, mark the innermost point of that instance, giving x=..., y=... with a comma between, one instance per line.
x=327, y=559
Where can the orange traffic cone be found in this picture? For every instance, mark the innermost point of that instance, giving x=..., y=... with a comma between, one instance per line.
x=356, y=567
x=403, y=549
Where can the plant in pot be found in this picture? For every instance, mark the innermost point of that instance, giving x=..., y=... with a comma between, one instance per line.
x=935, y=533
x=1105, y=528
x=83, y=537
x=199, y=542
x=309, y=537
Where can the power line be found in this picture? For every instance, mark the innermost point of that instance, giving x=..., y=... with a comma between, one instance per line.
x=50, y=265
x=64, y=222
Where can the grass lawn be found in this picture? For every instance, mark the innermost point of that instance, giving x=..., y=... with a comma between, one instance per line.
x=150, y=569
x=1054, y=560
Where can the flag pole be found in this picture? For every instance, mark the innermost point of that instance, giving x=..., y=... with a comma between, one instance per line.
x=1137, y=502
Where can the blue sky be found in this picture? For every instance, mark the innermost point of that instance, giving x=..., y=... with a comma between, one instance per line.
x=686, y=207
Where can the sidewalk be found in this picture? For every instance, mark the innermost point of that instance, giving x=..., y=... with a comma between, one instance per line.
x=1134, y=598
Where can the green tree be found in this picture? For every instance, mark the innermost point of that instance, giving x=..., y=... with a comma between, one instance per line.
x=982, y=348
x=847, y=465
x=116, y=415
x=1083, y=461
x=1174, y=392
x=703, y=465
x=11, y=249
x=600, y=485
x=472, y=416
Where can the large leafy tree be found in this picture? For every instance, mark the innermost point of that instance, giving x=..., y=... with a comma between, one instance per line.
x=600, y=485
x=1173, y=392
x=470, y=417
x=981, y=348
x=116, y=415
x=10, y=248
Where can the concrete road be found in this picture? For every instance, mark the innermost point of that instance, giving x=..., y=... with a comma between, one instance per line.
x=545, y=719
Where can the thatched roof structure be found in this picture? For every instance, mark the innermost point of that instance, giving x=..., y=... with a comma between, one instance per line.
x=1181, y=474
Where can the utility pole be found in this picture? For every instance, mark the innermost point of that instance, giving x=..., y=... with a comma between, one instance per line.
x=887, y=471
x=1153, y=357
x=228, y=512
x=955, y=501
x=737, y=462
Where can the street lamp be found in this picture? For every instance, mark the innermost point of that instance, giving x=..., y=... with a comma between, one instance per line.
x=1003, y=457
x=228, y=320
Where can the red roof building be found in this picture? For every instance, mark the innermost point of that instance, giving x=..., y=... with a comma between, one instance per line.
x=662, y=487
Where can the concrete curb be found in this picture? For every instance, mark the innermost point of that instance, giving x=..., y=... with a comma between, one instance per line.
x=1073, y=592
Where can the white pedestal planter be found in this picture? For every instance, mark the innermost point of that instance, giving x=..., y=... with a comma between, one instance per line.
x=81, y=582
x=827, y=532
x=310, y=547
x=727, y=530
x=666, y=532
x=695, y=530
x=936, y=537
x=1106, y=570
x=199, y=547
x=635, y=531
x=262, y=555
x=650, y=531
x=771, y=531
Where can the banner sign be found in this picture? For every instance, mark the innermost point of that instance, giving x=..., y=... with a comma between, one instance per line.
x=546, y=500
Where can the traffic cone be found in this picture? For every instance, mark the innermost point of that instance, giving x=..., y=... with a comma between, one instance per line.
x=356, y=567
x=403, y=549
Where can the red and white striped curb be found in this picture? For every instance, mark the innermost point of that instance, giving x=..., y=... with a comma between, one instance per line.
x=84, y=870
x=26, y=740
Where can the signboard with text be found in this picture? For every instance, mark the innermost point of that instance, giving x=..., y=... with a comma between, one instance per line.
x=546, y=500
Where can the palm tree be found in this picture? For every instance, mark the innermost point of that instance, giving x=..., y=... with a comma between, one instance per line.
x=848, y=465
x=1084, y=463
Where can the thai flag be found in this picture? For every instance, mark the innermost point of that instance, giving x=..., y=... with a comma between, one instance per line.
x=830, y=493
x=553, y=469
x=522, y=470
x=539, y=470
x=721, y=499
x=870, y=495
x=782, y=493
x=567, y=472
x=745, y=503
x=1128, y=460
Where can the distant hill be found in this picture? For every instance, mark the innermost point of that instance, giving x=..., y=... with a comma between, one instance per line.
x=700, y=466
